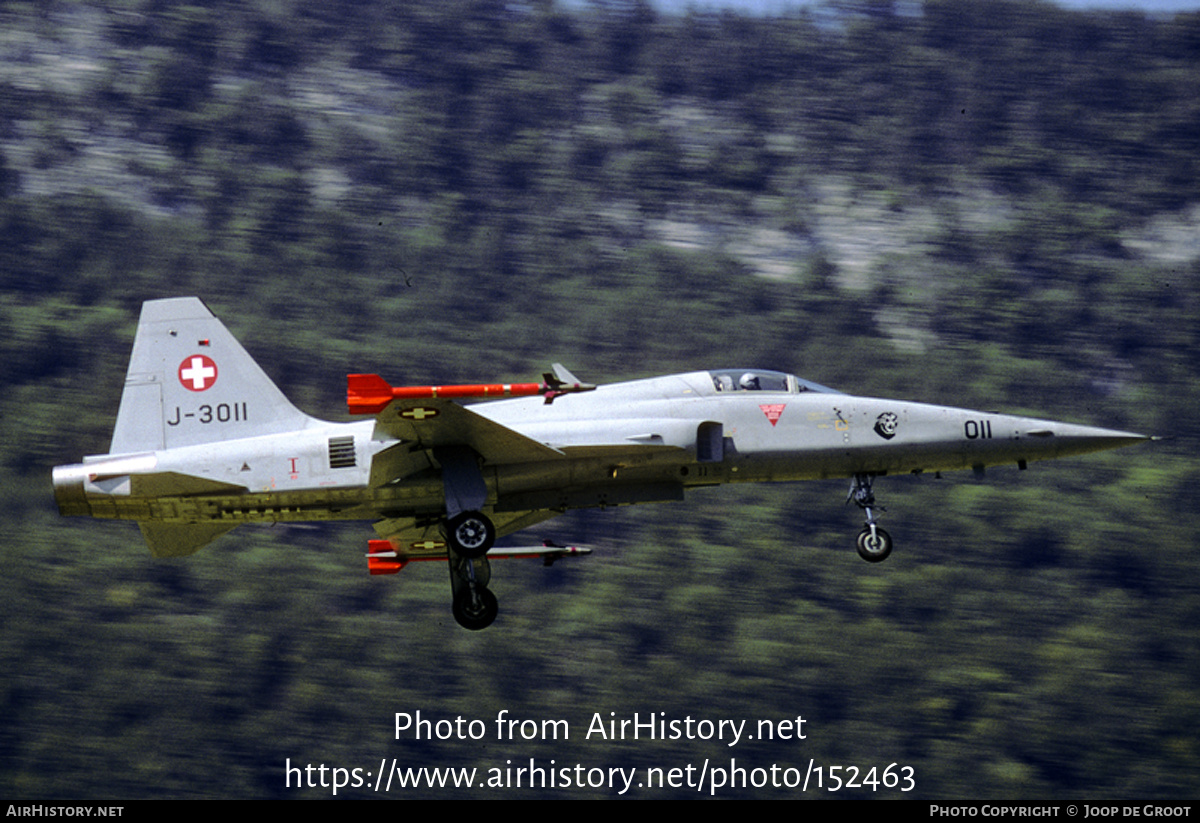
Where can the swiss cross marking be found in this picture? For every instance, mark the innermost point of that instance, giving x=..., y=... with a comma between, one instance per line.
x=773, y=411
x=197, y=372
x=419, y=413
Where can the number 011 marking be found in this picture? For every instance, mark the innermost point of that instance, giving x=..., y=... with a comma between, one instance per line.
x=976, y=429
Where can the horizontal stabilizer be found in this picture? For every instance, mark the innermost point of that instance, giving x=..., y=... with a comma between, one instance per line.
x=181, y=539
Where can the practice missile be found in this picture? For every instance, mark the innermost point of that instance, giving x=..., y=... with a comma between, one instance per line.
x=370, y=393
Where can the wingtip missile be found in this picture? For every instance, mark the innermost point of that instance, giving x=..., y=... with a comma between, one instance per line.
x=384, y=558
x=371, y=394
x=552, y=551
x=560, y=382
x=367, y=393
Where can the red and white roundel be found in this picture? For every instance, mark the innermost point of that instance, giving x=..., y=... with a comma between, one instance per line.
x=197, y=372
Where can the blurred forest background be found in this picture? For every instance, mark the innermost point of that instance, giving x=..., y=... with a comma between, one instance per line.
x=989, y=204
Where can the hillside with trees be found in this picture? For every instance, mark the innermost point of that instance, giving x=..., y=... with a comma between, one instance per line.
x=993, y=205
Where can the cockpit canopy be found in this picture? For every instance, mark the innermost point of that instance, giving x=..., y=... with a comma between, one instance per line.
x=729, y=380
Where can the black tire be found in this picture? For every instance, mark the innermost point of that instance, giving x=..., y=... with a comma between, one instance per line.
x=874, y=550
x=470, y=534
x=475, y=614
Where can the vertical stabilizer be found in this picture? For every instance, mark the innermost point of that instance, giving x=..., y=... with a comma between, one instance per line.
x=190, y=382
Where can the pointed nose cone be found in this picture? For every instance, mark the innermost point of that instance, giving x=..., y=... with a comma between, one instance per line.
x=1069, y=438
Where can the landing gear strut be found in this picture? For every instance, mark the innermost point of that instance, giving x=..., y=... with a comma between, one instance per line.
x=874, y=544
x=469, y=535
x=474, y=605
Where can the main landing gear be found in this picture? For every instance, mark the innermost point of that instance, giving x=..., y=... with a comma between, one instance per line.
x=469, y=535
x=475, y=606
x=874, y=544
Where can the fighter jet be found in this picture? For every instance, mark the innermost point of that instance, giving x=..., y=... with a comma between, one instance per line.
x=205, y=441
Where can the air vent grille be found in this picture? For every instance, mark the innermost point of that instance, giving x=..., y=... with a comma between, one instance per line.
x=341, y=453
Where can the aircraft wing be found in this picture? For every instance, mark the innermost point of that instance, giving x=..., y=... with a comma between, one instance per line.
x=431, y=422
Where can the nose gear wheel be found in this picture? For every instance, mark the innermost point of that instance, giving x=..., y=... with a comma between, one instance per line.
x=873, y=544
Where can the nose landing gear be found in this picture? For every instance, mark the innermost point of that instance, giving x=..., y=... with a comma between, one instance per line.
x=873, y=544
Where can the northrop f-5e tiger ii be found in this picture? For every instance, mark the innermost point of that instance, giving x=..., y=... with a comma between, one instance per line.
x=204, y=441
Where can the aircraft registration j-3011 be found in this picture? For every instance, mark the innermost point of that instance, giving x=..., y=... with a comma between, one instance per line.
x=204, y=440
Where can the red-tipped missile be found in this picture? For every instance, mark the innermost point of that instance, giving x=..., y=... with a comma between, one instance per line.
x=370, y=393
x=384, y=558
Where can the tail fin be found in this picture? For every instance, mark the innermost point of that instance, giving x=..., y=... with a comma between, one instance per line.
x=191, y=382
